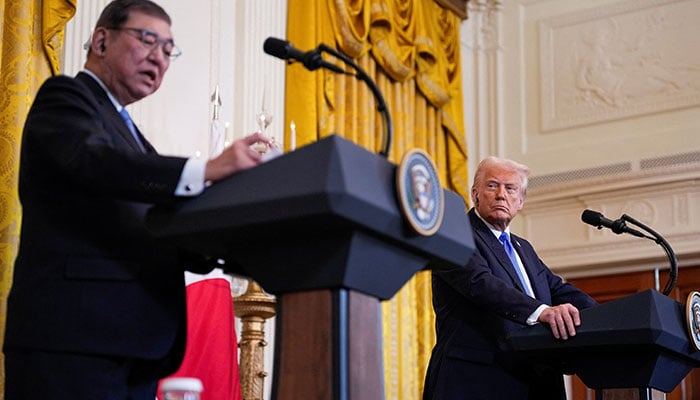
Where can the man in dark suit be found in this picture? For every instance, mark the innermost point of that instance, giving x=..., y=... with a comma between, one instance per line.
x=97, y=306
x=477, y=305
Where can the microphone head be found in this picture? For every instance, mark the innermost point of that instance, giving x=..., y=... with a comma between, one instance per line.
x=592, y=217
x=276, y=47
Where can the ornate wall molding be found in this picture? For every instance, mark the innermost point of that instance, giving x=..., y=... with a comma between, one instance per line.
x=665, y=198
x=482, y=59
x=598, y=65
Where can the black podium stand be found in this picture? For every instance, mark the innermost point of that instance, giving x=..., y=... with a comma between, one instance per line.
x=322, y=229
x=638, y=342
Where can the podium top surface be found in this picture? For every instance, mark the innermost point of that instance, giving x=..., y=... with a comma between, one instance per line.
x=325, y=189
x=645, y=320
x=638, y=341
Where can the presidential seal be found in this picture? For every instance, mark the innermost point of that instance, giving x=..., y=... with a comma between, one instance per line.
x=692, y=314
x=419, y=191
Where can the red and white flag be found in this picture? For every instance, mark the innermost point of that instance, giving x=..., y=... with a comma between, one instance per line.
x=212, y=346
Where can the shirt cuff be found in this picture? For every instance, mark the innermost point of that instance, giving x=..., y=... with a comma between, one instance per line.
x=532, y=319
x=192, y=178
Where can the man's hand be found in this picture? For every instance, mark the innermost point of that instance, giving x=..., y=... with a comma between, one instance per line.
x=562, y=319
x=238, y=156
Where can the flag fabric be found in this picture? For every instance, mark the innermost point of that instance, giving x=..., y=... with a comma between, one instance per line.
x=217, y=132
x=216, y=139
x=212, y=347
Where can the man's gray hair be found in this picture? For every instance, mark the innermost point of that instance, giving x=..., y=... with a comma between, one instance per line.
x=489, y=162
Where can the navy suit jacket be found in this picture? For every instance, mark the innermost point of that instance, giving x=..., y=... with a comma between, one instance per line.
x=88, y=277
x=476, y=307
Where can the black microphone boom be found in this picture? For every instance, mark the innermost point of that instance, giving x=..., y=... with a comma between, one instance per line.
x=599, y=221
x=619, y=226
x=312, y=60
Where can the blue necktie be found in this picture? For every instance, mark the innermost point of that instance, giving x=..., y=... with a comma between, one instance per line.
x=505, y=240
x=132, y=128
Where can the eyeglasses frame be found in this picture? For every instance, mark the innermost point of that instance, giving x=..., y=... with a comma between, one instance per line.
x=144, y=34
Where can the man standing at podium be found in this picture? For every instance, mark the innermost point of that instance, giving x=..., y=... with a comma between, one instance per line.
x=97, y=305
x=504, y=287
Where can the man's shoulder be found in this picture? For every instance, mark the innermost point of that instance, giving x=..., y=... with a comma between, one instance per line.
x=67, y=87
x=63, y=82
x=478, y=226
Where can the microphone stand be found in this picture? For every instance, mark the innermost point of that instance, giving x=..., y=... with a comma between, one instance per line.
x=381, y=104
x=673, y=274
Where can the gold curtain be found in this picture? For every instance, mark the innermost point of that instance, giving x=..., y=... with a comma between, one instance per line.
x=32, y=37
x=410, y=48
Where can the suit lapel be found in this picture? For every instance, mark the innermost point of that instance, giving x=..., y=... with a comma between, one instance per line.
x=497, y=249
x=112, y=117
x=146, y=144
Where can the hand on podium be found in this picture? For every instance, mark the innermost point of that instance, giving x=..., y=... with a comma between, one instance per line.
x=562, y=319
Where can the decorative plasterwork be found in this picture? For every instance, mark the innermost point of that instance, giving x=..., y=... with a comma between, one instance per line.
x=481, y=52
x=666, y=199
x=484, y=24
x=598, y=65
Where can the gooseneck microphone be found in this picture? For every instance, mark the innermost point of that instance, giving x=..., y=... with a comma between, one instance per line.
x=620, y=226
x=313, y=60
x=599, y=221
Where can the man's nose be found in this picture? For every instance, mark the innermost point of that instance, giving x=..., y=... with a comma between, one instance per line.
x=157, y=55
x=501, y=191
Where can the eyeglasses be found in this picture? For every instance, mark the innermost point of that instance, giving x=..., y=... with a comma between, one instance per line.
x=151, y=40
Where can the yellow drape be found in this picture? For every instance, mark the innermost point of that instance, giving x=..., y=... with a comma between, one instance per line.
x=411, y=50
x=32, y=37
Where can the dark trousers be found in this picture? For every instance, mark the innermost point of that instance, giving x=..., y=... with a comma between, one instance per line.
x=41, y=375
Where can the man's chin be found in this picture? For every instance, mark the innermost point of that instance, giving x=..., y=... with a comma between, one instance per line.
x=144, y=90
x=499, y=220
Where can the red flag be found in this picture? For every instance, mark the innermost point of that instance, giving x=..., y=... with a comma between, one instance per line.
x=212, y=347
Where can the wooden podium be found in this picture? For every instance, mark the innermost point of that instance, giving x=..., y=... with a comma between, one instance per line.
x=321, y=228
x=637, y=342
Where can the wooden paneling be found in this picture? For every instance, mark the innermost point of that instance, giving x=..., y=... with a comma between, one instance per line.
x=329, y=346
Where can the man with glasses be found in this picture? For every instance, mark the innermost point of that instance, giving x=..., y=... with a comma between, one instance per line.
x=97, y=306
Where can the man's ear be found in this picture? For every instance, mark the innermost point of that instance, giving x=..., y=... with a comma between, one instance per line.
x=99, y=37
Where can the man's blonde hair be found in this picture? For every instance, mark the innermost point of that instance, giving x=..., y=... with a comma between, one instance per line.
x=490, y=162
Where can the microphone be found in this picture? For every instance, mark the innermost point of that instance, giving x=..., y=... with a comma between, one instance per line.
x=599, y=221
x=312, y=60
x=619, y=226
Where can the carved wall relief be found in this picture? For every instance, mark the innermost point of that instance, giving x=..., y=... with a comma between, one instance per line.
x=598, y=64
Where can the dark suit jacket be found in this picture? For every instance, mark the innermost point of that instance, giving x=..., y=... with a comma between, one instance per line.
x=88, y=277
x=476, y=306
